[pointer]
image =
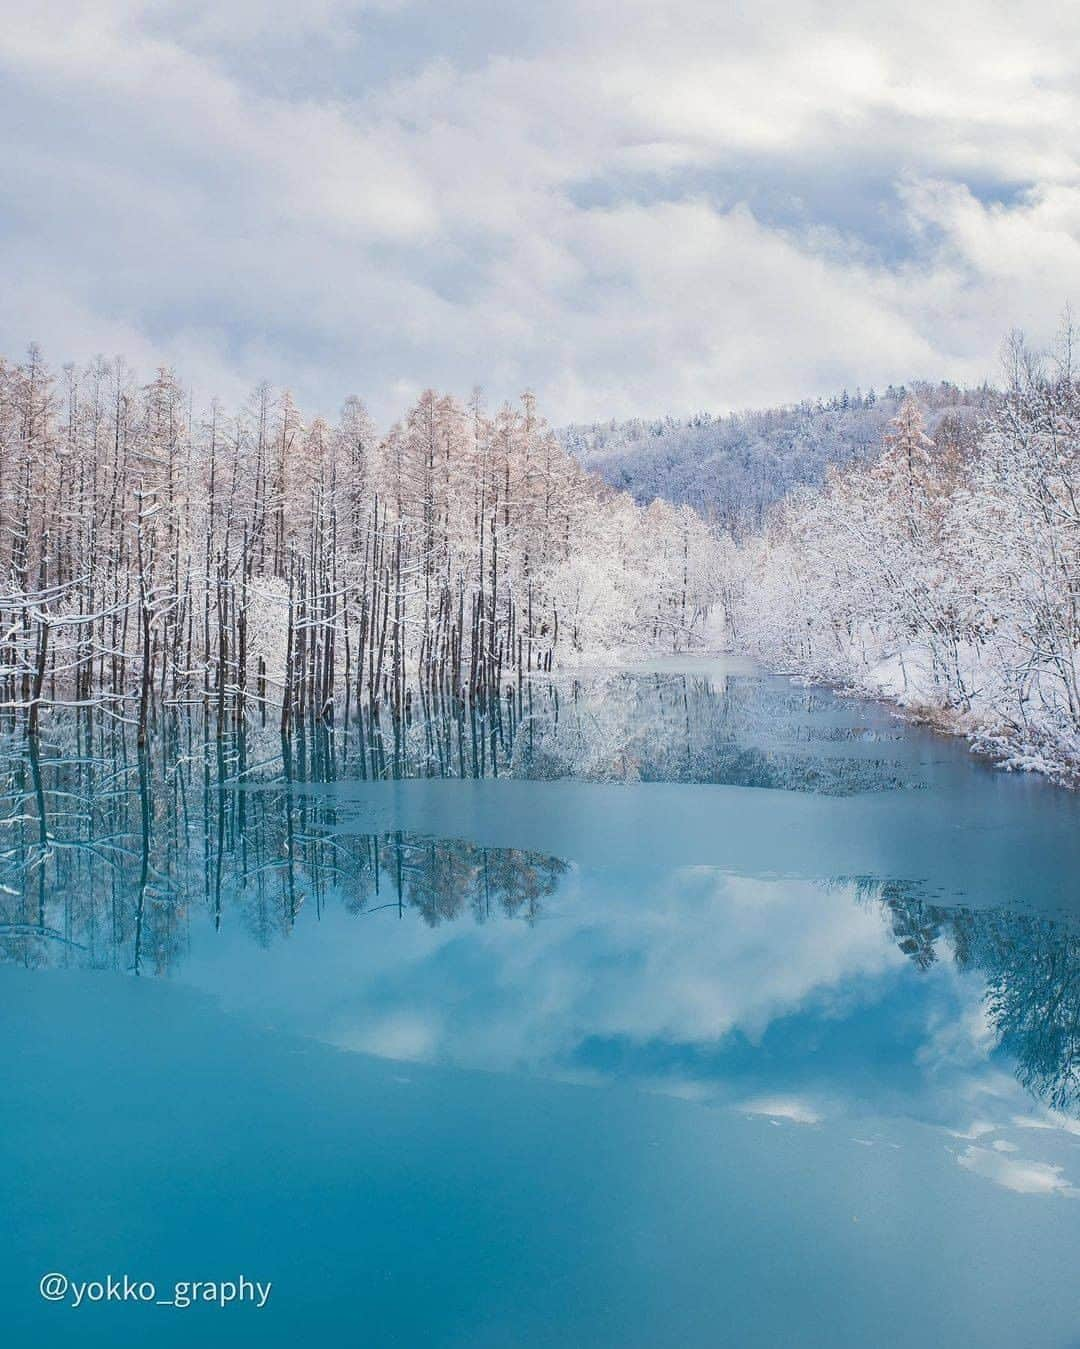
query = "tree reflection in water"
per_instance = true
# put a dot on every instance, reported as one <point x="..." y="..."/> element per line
<point x="1031" y="966"/>
<point x="111" y="850"/>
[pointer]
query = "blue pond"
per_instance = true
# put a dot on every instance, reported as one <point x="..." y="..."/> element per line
<point x="682" y="1006"/>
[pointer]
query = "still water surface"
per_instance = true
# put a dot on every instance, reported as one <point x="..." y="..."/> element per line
<point x="685" y="1006"/>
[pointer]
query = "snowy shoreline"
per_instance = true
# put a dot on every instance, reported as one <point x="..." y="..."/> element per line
<point x="981" y="740"/>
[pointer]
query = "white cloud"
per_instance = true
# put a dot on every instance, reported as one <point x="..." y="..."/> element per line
<point x="791" y="1109"/>
<point x="630" y="211"/>
<point x="503" y="997"/>
<point x="1017" y="1174"/>
<point x="402" y="1036"/>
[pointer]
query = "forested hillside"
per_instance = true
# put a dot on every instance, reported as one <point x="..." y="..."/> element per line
<point x="732" y="469"/>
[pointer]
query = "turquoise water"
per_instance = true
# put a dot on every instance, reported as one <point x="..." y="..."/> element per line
<point x="681" y="1007"/>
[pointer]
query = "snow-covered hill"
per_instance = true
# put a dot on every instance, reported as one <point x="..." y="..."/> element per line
<point x="733" y="468"/>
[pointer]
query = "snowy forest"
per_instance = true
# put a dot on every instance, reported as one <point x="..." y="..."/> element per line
<point x="258" y="558"/>
<point x="922" y="545"/>
<point x="944" y="574"/>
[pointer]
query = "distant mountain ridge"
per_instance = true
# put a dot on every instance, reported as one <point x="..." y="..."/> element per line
<point x="733" y="468"/>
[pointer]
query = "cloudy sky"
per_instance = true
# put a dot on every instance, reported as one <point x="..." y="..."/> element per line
<point x="630" y="207"/>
